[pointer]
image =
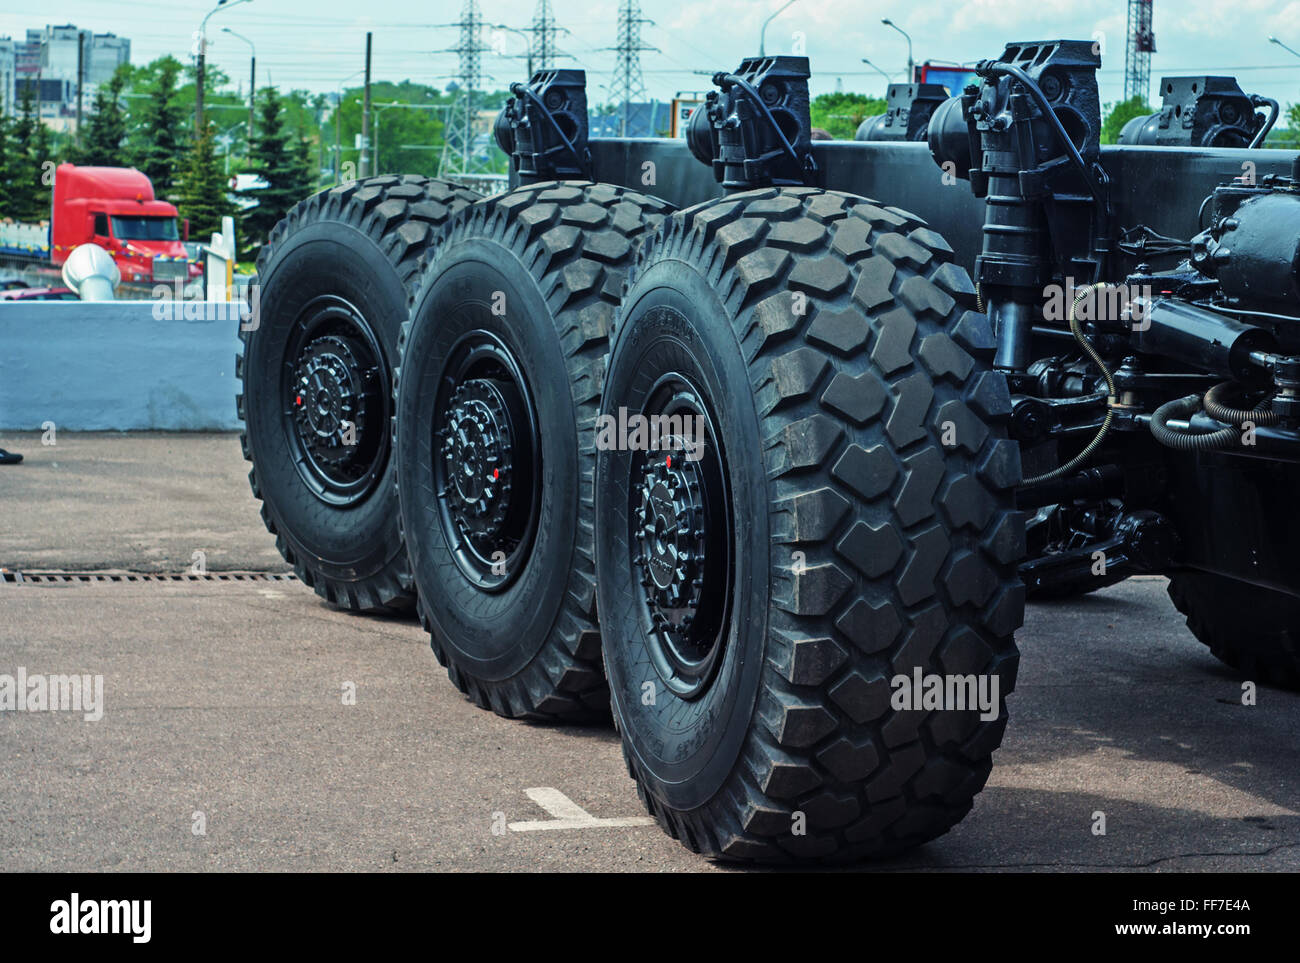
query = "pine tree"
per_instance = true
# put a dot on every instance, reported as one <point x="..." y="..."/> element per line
<point x="9" y="168"/>
<point x="40" y="178"/>
<point x="280" y="164"/>
<point x="102" y="144"/>
<point x="202" y="187"/>
<point x="308" y="172"/>
<point x="161" y="133"/>
<point x="30" y="197"/>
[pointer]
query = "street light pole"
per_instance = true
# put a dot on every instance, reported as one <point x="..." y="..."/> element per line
<point x="365" y="115"/>
<point x="762" y="34"/>
<point x="1284" y="46"/>
<point x="202" y="64"/>
<point x="252" y="81"/>
<point x="527" y="40"/>
<point x="911" y="64"/>
<point x="888" y="79"/>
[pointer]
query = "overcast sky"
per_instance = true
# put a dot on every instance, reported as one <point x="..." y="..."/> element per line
<point x="318" y="43"/>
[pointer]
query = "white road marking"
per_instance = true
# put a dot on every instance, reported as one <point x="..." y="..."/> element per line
<point x="569" y="815"/>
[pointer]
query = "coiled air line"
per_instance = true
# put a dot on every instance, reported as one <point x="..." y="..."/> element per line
<point x="1213" y="403"/>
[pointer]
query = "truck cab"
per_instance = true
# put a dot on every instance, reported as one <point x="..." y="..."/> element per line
<point x="115" y="208"/>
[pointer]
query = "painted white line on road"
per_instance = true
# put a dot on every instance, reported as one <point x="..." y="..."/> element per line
<point x="569" y="815"/>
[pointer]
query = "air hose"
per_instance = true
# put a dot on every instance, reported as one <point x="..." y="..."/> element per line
<point x="1082" y="457"/>
<point x="1216" y="409"/>
<point x="1212" y="402"/>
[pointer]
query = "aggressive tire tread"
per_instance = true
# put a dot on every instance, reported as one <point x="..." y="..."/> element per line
<point x="403" y="215"/>
<point x="910" y="548"/>
<point x="1250" y="629"/>
<point x="577" y="240"/>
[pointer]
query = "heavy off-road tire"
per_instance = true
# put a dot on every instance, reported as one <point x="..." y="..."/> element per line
<point x="333" y="281"/>
<point x="1254" y="630"/>
<point x="502" y="363"/>
<point x="828" y="339"/>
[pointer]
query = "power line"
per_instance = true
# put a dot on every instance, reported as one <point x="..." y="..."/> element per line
<point x="544" y="31"/>
<point x="458" y="152"/>
<point x="629" y="84"/>
<point x="1141" y="44"/>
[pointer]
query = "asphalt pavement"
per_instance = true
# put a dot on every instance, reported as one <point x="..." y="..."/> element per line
<point x="248" y="726"/>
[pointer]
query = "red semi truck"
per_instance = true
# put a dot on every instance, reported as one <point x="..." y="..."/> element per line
<point x="115" y="208"/>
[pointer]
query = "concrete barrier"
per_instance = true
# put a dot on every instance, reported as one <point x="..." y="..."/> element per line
<point x="118" y="365"/>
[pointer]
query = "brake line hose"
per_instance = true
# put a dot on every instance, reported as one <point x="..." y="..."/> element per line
<point x="1082" y="457"/>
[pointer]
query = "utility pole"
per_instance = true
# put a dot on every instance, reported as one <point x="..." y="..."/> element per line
<point x="628" y="82"/>
<point x="365" y="116"/>
<point x="252" y="97"/>
<point x="81" y="75"/>
<point x="198" y="90"/>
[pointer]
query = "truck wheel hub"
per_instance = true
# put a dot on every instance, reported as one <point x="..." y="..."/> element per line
<point x="487" y="461"/>
<point x="477" y="441"/>
<point x="680" y="536"/>
<point x="333" y="389"/>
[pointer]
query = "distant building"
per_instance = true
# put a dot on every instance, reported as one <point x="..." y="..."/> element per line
<point x="8" y="76"/>
<point x="101" y="53"/>
<point x="50" y="56"/>
<point x="107" y="52"/>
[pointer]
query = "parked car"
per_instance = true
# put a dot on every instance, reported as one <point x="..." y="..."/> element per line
<point x="39" y="294"/>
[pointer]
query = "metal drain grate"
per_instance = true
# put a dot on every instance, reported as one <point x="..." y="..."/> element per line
<point x="100" y="578"/>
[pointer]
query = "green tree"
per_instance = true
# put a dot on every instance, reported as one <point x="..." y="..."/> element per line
<point x="1119" y="114"/>
<point x="42" y="158"/>
<point x="280" y="163"/>
<point x="1288" y="137"/>
<point x="10" y="167"/>
<point x="160" y="137"/>
<point x="102" y="144"/>
<point x="33" y="157"/>
<point x="839" y="114"/>
<point x="202" y="187"/>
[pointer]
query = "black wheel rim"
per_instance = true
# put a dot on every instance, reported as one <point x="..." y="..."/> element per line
<point x="680" y="535"/>
<point x="487" y="465"/>
<point x="336" y="405"/>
